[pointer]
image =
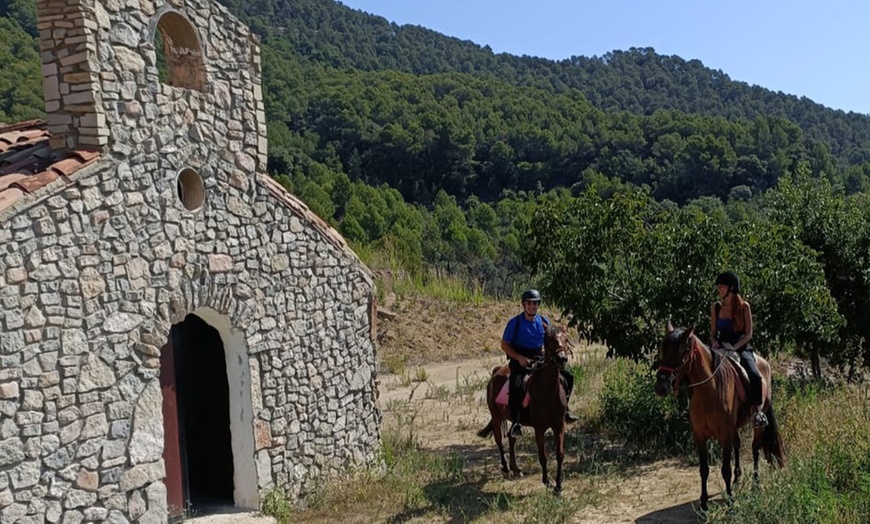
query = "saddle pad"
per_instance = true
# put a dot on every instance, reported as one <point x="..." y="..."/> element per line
<point x="502" y="397"/>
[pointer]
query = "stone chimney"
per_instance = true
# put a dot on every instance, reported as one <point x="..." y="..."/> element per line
<point x="71" y="73"/>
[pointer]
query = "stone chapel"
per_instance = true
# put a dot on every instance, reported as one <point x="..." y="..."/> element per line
<point x="176" y="330"/>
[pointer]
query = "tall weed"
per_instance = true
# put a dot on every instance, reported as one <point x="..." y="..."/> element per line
<point x="827" y="436"/>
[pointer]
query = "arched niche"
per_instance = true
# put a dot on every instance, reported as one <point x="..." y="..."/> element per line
<point x="179" y="52"/>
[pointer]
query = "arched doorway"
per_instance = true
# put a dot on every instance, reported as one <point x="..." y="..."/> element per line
<point x="208" y="429"/>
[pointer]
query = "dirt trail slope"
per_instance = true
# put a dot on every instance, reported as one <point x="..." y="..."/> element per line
<point x="660" y="492"/>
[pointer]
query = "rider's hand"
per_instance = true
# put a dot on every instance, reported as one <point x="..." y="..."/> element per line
<point x="524" y="362"/>
<point x="728" y="347"/>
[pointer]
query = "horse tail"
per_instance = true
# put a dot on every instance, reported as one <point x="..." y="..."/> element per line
<point x="486" y="431"/>
<point x="771" y="441"/>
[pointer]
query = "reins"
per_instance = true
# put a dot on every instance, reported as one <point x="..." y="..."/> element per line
<point x="715" y="372"/>
<point x="695" y="348"/>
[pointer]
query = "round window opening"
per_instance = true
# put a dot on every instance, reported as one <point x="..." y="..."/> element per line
<point x="191" y="190"/>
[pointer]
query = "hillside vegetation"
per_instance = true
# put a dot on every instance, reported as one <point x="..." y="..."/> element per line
<point x="621" y="184"/>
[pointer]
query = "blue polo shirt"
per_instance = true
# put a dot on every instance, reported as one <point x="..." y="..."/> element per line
<point x="529" y="339"/>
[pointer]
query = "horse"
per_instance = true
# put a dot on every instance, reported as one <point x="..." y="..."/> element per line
<point x="716" y="408"/>
<point x="546" y="410"/>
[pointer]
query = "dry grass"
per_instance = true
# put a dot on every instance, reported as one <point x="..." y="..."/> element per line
<point x="427" y="482"/>
<point x="435" y="470"/>
<point x="826" y="430"/>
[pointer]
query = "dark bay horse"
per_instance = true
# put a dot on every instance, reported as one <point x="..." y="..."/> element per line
<point x="716" y="410"/>
<point x="547" y="407"/>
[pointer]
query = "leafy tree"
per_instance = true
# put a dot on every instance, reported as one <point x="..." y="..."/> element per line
<point x="621" y="267"/>
<point x="819" y="215"/>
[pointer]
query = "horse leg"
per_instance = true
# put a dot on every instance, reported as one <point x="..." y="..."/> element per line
<point x="737" y="470"/>
<point x="559" y="437"/>
<point x="756" y="447"/>
<point x="726" y="465"/>
<point x="512" y="443"/>
<point x="499" y="442"/>
<point x="542" y="453"/>
<point x="704" y="469"/>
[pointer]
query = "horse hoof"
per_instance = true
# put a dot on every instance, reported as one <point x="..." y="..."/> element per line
<point x="557" y="491"/>
<point x="518" y="474"/>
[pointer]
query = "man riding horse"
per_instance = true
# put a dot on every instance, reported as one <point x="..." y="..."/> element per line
<point x="523" y="342"/>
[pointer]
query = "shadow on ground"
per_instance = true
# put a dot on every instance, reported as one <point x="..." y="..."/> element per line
<point x="462" y="501"/>
<point x="680" y="514"/>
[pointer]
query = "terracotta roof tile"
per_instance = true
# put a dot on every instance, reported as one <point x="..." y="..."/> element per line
<point x="27" y="162"/>
<point x="9" y="196"/>
<point x="31" y="183"/>
<point x="67" y="166"/>
<point x="8" y="180"/>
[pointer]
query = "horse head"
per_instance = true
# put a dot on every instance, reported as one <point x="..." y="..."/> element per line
<point x="557" y="347"/>
<point x="675" y="355"/>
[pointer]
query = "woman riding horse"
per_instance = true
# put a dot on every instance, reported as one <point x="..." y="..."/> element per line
<point x="717" y="409"/>
<point x="731" y="330"/>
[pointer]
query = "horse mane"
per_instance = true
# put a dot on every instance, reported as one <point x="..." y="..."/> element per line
<point x="673" y="339"/>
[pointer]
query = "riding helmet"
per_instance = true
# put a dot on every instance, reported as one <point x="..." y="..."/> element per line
<point x="531" y="295"/>
<point x="729" y="279"/>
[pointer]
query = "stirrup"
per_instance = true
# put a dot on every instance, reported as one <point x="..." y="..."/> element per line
<point x="759" y="420"/>
<point x="516" y="430"/>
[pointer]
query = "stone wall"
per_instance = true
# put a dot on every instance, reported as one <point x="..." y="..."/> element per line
<point x="93" y="275"/>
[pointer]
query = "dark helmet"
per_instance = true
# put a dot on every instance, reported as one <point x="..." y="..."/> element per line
<point x="729" y="279"/>
<point x="532" y="295"/>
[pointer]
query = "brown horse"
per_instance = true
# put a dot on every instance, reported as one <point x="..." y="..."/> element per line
<point x="547" y="406"/>
<point x="716" y="410"/>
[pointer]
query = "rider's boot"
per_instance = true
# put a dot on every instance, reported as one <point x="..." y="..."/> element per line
<point x="569" y="417"/>
<point x="760" y="419"/>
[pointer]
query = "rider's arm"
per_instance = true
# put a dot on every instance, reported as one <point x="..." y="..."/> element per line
<point x="713" y="326"/>
<point x="747" y="327"/>
<point x="509" y="331"/>
<point x="512" y="353"/>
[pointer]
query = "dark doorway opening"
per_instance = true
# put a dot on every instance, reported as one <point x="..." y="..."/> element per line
<point x="203" y="415"/>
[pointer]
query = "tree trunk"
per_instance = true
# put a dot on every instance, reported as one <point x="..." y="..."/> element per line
<point x="817" y="366"/>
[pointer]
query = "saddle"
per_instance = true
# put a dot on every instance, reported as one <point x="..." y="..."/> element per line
<point x="502" y="397"/>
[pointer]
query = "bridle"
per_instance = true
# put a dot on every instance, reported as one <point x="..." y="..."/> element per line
<point x="550" y="355"/>
<point x="676" y="375"/>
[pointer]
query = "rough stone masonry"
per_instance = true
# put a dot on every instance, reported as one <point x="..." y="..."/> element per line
<point x="176" y="217"/>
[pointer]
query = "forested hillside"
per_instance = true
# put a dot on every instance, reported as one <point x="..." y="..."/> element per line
<point x="622" y="183"/>
<point x="637" y="80"/>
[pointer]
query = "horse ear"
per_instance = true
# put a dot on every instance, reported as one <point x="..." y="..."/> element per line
<point x="690" y="331"/>
<point x="670" y="327"/>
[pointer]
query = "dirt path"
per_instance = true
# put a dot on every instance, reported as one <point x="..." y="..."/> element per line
<point x="448" y="408"/>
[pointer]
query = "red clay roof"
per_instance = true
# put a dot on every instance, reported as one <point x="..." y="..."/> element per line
<point x="27" y="162"/>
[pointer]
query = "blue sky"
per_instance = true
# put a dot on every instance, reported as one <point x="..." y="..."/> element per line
<point x="818" y="49"/>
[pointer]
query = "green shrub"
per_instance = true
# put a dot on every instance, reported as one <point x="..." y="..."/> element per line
<point x="632" y="413"/>
<point x="275" y="505"/>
